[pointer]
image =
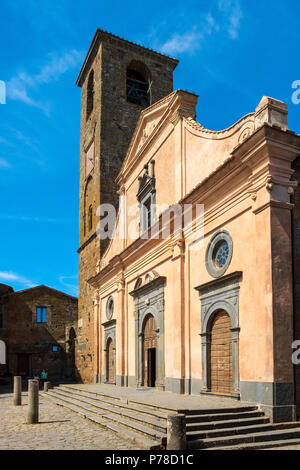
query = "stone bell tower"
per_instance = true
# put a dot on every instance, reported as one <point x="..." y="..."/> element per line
<point x="118" y="80"/>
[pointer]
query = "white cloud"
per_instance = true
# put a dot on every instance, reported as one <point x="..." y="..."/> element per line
<point x="8" y="276"/>
<point x="224" y="23"/>
<point x="19" y="86"/>
<point x="72" y="288"/>
<point x="232" y="16"/>
<point x="181" y="43"/>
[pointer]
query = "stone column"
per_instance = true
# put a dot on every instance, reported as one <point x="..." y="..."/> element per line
<point x="47" y="385"/>
<point x="205" y="348"/>
<point x="33" y="402"/>
<point x="140" y="360"/>
<point x="17" y="391"/>
<point x="176" y="432"/>
<point x="235" y="359"/>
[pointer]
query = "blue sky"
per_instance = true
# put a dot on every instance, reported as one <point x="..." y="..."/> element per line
<point x="232" y="52"/>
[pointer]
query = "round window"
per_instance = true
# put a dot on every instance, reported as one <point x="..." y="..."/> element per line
<point x="109" y="308"/>
<point x="219" y="253"/>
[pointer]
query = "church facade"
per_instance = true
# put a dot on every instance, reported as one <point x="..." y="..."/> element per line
<point x="196" y="288"/>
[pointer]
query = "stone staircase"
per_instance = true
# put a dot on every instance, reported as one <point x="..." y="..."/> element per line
<point x="243" y="427"/>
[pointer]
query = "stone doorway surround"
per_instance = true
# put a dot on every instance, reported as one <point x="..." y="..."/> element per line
<point x="149" y="299"/>
<point x="109" y="334"/>
<point x="217" y="295"/>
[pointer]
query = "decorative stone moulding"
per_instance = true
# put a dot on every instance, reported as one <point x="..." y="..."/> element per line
<point x="109" y="307"/>
<point x="219" y="254"/>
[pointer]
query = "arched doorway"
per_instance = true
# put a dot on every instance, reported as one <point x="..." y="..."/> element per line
<point x="149" y="349"/>
<point x="220" y="377"/>
<point x="110" y="361"/>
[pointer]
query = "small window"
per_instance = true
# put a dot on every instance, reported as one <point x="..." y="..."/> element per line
<point x="146" y="198"/>
<point x="148" y="213"/>
<point x="137" y="88"/>
<point x="54" y="348"/>
<point x="90" y="95"/>
<point x="41" y="315"/>
<point x="219" y="253"/>
<point x="109" y="308"/>
<point x="90" y="218"/>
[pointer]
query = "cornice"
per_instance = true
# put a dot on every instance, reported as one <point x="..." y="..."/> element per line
<point x="219" y="282"/>
<point x="161" y="280"/>
<point x="102" y="35"/>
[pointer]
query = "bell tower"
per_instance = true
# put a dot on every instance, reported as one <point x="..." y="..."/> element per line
<point x="118" y="80"/>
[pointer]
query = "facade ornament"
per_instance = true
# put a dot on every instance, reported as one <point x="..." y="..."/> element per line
<point x="269" y="183"/>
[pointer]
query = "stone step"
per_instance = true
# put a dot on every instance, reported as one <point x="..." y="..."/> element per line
<point x="133" y="426"/>
<point x="215" y="411"/>
<point x="194" y="427"/>
<point x="244" y="430"/>
<point x="262" y="446"/>
<point x="236" y="440"/>
<point x="223" y="416"/>
<point x="141" y="441"/>
<point x="100" y="407"/>
<point x="132" y="402"/>
<point x="164" y="409"/>
<point x="116" y="402"/>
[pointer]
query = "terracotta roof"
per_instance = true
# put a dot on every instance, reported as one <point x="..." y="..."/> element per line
<point x="101" y="33"/>
<point x="45" y="287"/>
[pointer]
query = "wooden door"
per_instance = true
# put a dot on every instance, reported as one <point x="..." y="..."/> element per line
<point x="110" y="362"/>
<point x="221" y="354"/>
<point x="150" y="343"/>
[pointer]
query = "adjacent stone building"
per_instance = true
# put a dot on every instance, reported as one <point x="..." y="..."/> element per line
<point x="183" y="300"/>
<point x="38" y="326"/>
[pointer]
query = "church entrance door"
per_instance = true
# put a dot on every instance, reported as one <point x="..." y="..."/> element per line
<point x="221" y="354"/>
<point x="110" y="362"/>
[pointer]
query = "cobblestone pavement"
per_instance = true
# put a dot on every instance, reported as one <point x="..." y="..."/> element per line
<point x="59" y="429"/>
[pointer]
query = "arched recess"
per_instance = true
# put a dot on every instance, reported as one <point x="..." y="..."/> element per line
<point x="71" y="341"/>
<point x="138" y="84"/>
<point x="149" y="351"/>
<point x="110" y="360"/>
<point x="149" y="300"/>
<point x="220" y="360"/>
<point x="220" y="295"/>
<point x="90" y="95"/>
<point x="222" y="316"/>
<point x="88" y="205"/>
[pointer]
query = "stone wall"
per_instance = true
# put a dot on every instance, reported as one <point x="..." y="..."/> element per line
<point x="24" y="336"/>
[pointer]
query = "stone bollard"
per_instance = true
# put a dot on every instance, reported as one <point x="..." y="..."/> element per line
<point x="17" y="390"/>
<point x="176" y="432"/>
<point x="33" y="402"/>
<point x="47" y="385"/>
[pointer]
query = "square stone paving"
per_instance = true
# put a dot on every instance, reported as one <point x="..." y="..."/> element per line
<point x="59" y="429"/>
